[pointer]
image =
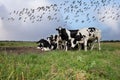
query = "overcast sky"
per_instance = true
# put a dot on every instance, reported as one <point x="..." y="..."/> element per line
<point x="72" y="14"/>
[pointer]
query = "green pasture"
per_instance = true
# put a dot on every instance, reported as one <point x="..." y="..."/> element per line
<point x="61" y="65"/>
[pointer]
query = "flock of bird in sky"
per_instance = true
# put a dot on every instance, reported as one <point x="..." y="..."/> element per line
<point x="72" y="10"/>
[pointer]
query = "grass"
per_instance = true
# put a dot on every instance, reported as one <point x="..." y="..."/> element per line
<point x="17" y="44"/>
<point x="62" y="65"/>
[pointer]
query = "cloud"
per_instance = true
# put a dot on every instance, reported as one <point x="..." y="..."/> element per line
<point x="109" y="16"/>
<point x="27" y="31"/>
<point x="19" y="30"/>
<point x="110" y="22"/>
<point x="18" y="4"/>
<point x="2" y="30"/>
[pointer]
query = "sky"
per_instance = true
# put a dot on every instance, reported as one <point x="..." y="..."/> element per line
<point x="31" y="20"/>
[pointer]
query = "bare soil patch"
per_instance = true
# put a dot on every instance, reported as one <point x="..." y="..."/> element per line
<point x="20" y="50"/>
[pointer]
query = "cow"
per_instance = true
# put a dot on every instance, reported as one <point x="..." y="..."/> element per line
<point x="66" y="36"/>
<point x="44" y="45"/>
<point x="87" y="37"/>
<point x="51" y="43"/>
<point x="54" y="41"/>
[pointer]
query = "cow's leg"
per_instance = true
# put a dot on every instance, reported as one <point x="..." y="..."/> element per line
<point x="79" y="46"/>
<point x="89" y="44"/>
<point x="93" y="44"/>
<point x="66" y="46"/>
<point x="60" y="43"/>
<point x="85" y="44"/>
<point x="58" y="47"/>
<point x="99" y="44"/>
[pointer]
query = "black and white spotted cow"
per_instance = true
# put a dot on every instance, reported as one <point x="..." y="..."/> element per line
<point x="51" y="43"/>
<point x="44" y="45"/>
<point x="87" y="37"/>
<point x="66" y="35"/>
<point x="54" y="41"/>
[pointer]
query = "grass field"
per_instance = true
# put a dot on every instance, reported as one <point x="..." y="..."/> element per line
<point x="60" y="65"/>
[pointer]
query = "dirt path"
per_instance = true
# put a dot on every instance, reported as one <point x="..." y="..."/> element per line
<point x="20" y="50"/>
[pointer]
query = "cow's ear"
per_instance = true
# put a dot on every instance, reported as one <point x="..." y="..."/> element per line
<point x="63" y="28"/>
<point x="38" y="41"/>
<point x="51" y="35"/>
<point x="48" y="37"/>
<point x="56" y="29"/>
<point x="81" y="35"/>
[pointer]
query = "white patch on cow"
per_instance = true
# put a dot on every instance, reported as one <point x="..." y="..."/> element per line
<point x="72" y="43"/>
<point x="52" y="47"/>
<point x="83" y="32"/>
<point x="80" y="41"/>
<point x="48" y="39"/>
<point x="45" y="49"/>
<point x="38" y="48"/>
<point x="60" y="28"/>
<point x="68" y="32"/>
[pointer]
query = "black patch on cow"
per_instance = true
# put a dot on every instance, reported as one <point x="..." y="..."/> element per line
<point x="83" y="36"/>
<point x="91" y="29"/>
<point x="43" y="43"/>
<point x="54" y="45"/>
<point x="74" y="42"/>
<point x="62" y="33"/>
<point x="89" y="34"/>
<point x="82" y="46"/>
<point x="69" y="44"/>
<point x="56" y="36"/>
<point x="78" y="37"/>
<point x="50" y="38"/>
<point x="53" y="38"/>
<point x="93" y="35"/>
<point x="73" y="33"/>
<point x="64" y="36"/>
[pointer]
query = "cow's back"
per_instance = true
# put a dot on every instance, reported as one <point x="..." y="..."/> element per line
<point x="73" y="33"/>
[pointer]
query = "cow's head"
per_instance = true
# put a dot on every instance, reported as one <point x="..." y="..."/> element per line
<point x="91" y="29"/>
<point x="60" y="30"/>
<point x="49" y="39"/>
<point x="53" y="38"/>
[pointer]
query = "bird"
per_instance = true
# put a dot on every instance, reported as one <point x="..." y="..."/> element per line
<point x="72" y="10"/>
